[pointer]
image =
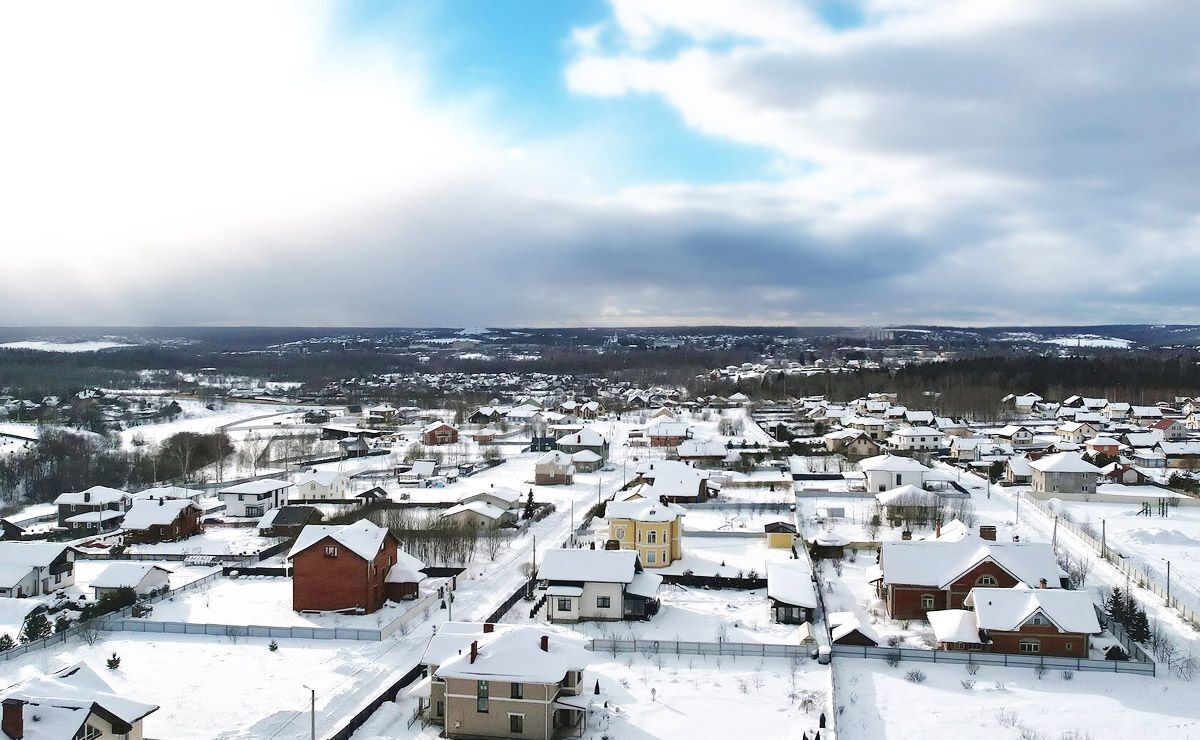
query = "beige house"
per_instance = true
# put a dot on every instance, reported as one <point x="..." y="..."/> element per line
<point x="488" y="681"/>
<point x="1065" y="472"/>
<point x="652" y="527"/>
<point x="554" y="468"/>
<point x="597" y="585"/>
<point x="74" y="702"/>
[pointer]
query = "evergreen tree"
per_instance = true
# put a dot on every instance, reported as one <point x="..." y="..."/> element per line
<point x="1139" y="626"/>
<point x="36" y="627"/>
<point x="528" y="506"/>
<point x="6" y="642"/>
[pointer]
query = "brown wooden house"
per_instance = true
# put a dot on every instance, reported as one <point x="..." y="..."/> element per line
<point x="153" y="520"/>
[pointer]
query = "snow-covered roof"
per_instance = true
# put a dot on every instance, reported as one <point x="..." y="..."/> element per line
<point x="954" y="625"/>
<point x="584" y="438"/>
<point x="917" y="432"/>
<point x="57" y="705"/>
<point x="95" y="517"/>
<point x="556" y="458"/>
<point x="586" y="456"/>
<point x="146" y="513"/>
<point x="645" y="585"/>
<point x="908" y="495"/>
<point x="31" y="554"/>
<point x="433" y="426"/>
<point x="790" y="581"/>
<point x="481" y="508"/>
<point x="1064" y="462"/>
<point x="1179" y="448"/>
<point x="516" y="655"/>
<point x="126" y="574"/>
<point x="643" y="510"/>
<point x="892" y="464"/>
<point x="1019" y="465"/>
<point x="1006" y="609"/>
<point x="14" y="612"/>
<point x="843" y="623"/>
<point x="601" y="566"/>
<point x="407" y="569"/>
<point x="92" y="496"/>
<point x="667" y="428"/>
<point x="940" y="562"/>
<point x="364" y="538"/>
<point x="260" y="486"/>
<point x="500" y="493"/>
<point x="324" y="478"/>
<point x="169" y="492"/>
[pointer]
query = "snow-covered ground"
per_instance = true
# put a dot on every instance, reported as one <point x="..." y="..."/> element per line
<point x="876" y="702"/>
<point x="181" y="575"/>
<point x="725" y="556"/>
<point x="45" y="346"/>
<point x="732" y="520"/>
<point x="213" y="541"/>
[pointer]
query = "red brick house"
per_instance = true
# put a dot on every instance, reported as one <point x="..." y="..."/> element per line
<point x="917" y="577"/>
<point x="161" y="520"/>
<point x="439" y="433"/>
<point x="338" y="568"/>
<point x="1020" y="621"/>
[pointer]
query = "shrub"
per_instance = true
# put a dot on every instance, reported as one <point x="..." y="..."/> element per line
<point x="1039" y="671"/>
<point x="114" y="662"/>
<point x="968" y="683"/>
<point x="893" y="658"/>
<point x="893" y="640"/>
<point x="972" y="668"/>
<point x="6" y="642"/>
<point x="273" y="646"/>
<point x="1068" y="675"/>
<point x="915" y="676"/>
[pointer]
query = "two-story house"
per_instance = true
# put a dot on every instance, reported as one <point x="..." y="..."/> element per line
<point x="1019" y="621"/>
<point x="1064" y="472"/>
<point x="255" y="498"/>
<point x="652" y="527"/>
<point x="97" y="509"/>
<point x="597" y="585"/>
<point x="73" y="703"/>
<point x="35" y="568"/>
<point x="342" y="567"/>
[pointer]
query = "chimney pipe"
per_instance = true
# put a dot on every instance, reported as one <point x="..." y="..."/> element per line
<point x="1043" y="584"/>
<point x="987" y="532"/>
<point x="474" y="650"/>
<point x="488" y="627"/>
<point x="87" y="497"/>
<point x="937" y="530"/>
<point x="13" y="722"/>
<point x="545" y="643"/>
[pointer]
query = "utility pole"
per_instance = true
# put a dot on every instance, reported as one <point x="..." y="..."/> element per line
<point x="1168" y="582"/>
<point x="1054" y="536"/>
<point x="1103" y="547"/>
<point x="1018" y="507"/>
<point x="312" y="714"/>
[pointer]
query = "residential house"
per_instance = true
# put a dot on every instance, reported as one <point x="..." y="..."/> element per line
<point x="72" y="703"/>
<point x="14" y="613"/>
<point x="586" y="439"/>
<point x="916" y="439"/>
<point x="1022" y="404"/>
<point x="340" y="568"/>
<point x="1014" y="434"/>
<point x="479" y="515"/>
<point x="667" y="433"/>
<point x="501" y="497"/>
<point x="384" y="413"/>
<point x="1172" y="430"/>
<point x="1076" y="432"/>
<point x="586" y="461"/>
<point x="597" y="585"/>
<point x="501" y="681"/>
<point x="674" y="481"/>
<point x="780" y="535"/>
<point x="487" y="415"/>
<point x="876" y="429"/>
<point x="590" y="410"/>
<point x="143" y="578"/>
<point x="651" y="527"/>
<point x="288" y="521"/>
<point x="161" y="520"/>
<point x="703" y="451"/>
<point x="1185" y="455"/>
<point x="254" y="498"/>
<point x="438" y="433"/>
<point x="1123" y="473"/>
<point x="1017" y="471"/>
<point x="1116" y="411"/>
<point x="1102" y="445"/>
<point x="884" y="472"/>
<point x="791" y="593"/>
<point x="919" y="576"/>
<point x="1145" y="415"/>
<point x="321" y="485"/>
<point x="35" y="568"/>
<point x="1020" y="621"/>
<point x="554" y="468"/>
<point x="97" y="509"/>
<point x="1063" y="472"/>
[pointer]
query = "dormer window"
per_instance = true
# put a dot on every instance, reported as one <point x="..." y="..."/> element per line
<point x="331" y="551"/>
<point x="986" y="579"/>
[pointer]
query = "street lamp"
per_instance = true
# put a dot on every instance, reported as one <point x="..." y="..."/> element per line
<point x="312" y="712"/>
<point x="1168" y="562"/>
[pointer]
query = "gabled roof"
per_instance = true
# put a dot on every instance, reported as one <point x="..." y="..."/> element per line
<point x="125" y="574"/>
<point x="146" y="513"/>
<point x="643" y="510"/>
<point x="601" y="566"/>
<point x="63" y="700"/>
<point x="892" y="464"/>
<point x="31" y="554"/>
<point x="940" y="562"/>
<point x="262" y="485"/>
<point x="1064" y="462"/>
<point x="479" y="507"/>
<point x="583" y="438"/>
<point x="364" y="538"/>
<point x="1006" y="609"/>
<point x="790" y="581"/>
<point x="94" y="495"/>
<point x="515" y="655"/>
<point x="908" y="495"/>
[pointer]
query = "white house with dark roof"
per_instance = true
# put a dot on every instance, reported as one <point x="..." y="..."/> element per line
<point x="597" y="585"/>
<point x="255" y="498"/>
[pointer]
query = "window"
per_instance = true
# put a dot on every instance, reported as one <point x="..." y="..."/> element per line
<point x="1029" y="646"/>
<point x="650" y="557"/>
<point x="87" y="732"/>
<point x="1038" y="619"/>
<point x="441" y="708"/>
<point x="516" y="691"/>
<point x="986" y="579"/>
<point x="481" y="696"/>
<point x="331" y="551"/>
<point x="620" y="533"/>
<point x="603" y="602"/>
<point x="1068" y="646"/>
<point x="652" y="537"/>
<point x="926" y="601"/>
<point x="516" y="723"/>
<point x="898" y="480"/>
<point x="639" y="535"/>
<point x="564" y="605"/>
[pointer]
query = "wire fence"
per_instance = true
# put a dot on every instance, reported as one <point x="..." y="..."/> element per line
<point x="995" y="659"/>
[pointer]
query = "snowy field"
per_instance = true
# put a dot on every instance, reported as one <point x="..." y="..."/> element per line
<point x="210" y="687"/>
<point x="732" y="520"/>
<point x="181" y="575"/>
<point x="672" y="697"/>
<point x="44" y="346"/>
<point x="725" y="556"/>
<point x="876" y="702"/>
<point x="213" y="541"/>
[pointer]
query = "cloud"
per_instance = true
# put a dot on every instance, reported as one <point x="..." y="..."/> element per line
<point x="252" y="163"/>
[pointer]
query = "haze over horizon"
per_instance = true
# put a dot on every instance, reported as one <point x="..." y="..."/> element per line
<point x="624" y="163"/>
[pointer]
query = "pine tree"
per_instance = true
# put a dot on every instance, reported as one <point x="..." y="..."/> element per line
<point x="529" y="506"/>
<point x="1116" y="607"/>
<point x="6" y="642"/>
<point x="36" y="627"/>
<point x="114" y="662"/>
<point x="1139" y="626"/>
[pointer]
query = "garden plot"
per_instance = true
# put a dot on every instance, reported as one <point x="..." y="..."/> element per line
<point x="851" y="592"/>
<point x="210" y="687"/>
<point x="181" y="575"/>
<point x="732" y="520"/>
<point x="673" y="696"/>
<point x="875" y="701"/>
<point x="264" y="601"/>
<point x="725" y="556"/>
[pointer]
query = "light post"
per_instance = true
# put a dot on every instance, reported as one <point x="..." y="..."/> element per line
<point x="1168" y="562"/>
<point x="312" y="714"/>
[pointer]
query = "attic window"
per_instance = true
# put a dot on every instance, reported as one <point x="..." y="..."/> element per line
<point x="331" y="551"/>
<point x="986" y="580"/>
<point x="87" y="732"/>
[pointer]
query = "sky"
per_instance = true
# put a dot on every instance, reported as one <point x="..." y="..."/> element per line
<point x="599" y="162"/>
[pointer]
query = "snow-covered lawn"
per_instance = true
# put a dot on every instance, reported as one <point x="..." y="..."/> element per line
<point x="732" y="520"/>
<point x="212" y="687"/>
<point x="260" y="600"/>
<point x="181" y="575"/>
<point x="851" y="592"/>
<point x="725" y="556"/>
<point x="213" y="541"/>
<point x="876" y="701"/>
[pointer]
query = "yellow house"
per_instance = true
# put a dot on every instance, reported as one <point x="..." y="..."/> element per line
<point x="780" y="534"/>
<point x="653" y="528"/>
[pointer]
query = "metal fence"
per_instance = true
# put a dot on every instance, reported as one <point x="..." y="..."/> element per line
<point x="996" y="659"/>
<point x="239" y="630"/>
<point x="1138" y="576"/>
<point x="679" y="647"/>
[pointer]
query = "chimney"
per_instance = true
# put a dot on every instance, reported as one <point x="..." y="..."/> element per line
<point x="474" y="650"/>
<point x="545" y="643"/>
<point x="937" y="530"/>
<point x="87" y="496"/>
<point x="13" y="723"/>
<point x="1043" y="584"/>
<point x="987" y="532"/>
<point x="906" y="535"/>
<point x="488" y="627"/>
<point x="161" y="501"/>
